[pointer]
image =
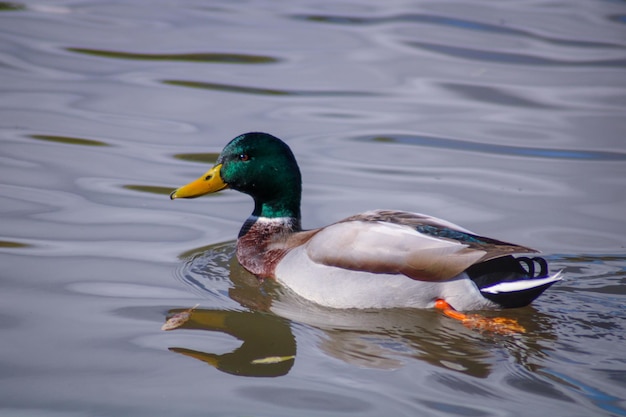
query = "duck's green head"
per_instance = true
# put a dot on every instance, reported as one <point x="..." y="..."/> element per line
<point x="257" y="164"/>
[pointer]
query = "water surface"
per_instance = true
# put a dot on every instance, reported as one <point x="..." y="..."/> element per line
<point x="507" y="118"/>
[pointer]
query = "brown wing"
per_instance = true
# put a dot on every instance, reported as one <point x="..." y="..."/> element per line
<point x="418" y="246"/>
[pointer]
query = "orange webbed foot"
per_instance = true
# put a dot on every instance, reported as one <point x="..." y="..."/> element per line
<point x="500" y="325"/>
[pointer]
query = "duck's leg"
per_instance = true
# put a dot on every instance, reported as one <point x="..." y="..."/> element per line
<point x="500" y="325"/>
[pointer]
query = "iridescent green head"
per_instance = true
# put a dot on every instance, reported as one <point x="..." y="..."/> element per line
<point x="257" y="164"/>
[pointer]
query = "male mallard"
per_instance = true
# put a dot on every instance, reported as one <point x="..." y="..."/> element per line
<point x="377" y="259"/>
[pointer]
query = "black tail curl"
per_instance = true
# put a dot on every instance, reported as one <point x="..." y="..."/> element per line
<point x="510" y="269"/>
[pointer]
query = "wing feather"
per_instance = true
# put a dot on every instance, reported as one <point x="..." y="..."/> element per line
<point x="398" y="242"/>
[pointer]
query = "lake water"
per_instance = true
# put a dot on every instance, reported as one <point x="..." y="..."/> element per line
<point x="508" y="118"/>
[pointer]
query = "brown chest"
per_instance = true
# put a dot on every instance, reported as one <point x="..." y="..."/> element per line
<point x="261" y="248"/>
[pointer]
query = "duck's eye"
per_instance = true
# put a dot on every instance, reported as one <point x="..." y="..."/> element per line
<point x="244" y="157"/>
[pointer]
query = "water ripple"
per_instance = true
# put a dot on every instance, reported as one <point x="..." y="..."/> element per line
<point x="307" y="399"/>
<point x="453" y="22"/>
<point x="206" y="270"/>
<point x="489" y="148"/>
<point x="206" y="157"/>
<point x="12" y="244"/>
<point x="151" y="189"/>
<point x="230" y="88"/>
<point x="222" y="58"/>
<point x="602" y="400"/>
<point x="7" y="6"/>
<point x="618" y="18"/>
<point x="69" y="140"/>
<point x="493" y="95"/>
<point x="511" y="57"/>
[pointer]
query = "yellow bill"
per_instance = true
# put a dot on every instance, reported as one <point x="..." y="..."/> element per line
<point x="210" y="182"/>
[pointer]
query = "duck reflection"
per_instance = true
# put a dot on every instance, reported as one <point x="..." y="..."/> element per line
<point x="268" y="347"/>
<point x="383" y="339"/>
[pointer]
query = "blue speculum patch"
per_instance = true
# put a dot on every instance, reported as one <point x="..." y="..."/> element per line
<point x="448" y="233"/>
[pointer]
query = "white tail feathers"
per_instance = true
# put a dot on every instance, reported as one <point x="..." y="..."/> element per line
<point x="521" y="285"/>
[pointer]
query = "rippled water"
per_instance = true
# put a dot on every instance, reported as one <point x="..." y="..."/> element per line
<point x="506" y="117"/>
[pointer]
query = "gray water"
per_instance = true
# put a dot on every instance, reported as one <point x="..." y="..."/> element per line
<point x="505" y="117"/>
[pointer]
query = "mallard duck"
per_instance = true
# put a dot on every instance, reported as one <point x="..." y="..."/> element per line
<point x="376" y="259"/>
